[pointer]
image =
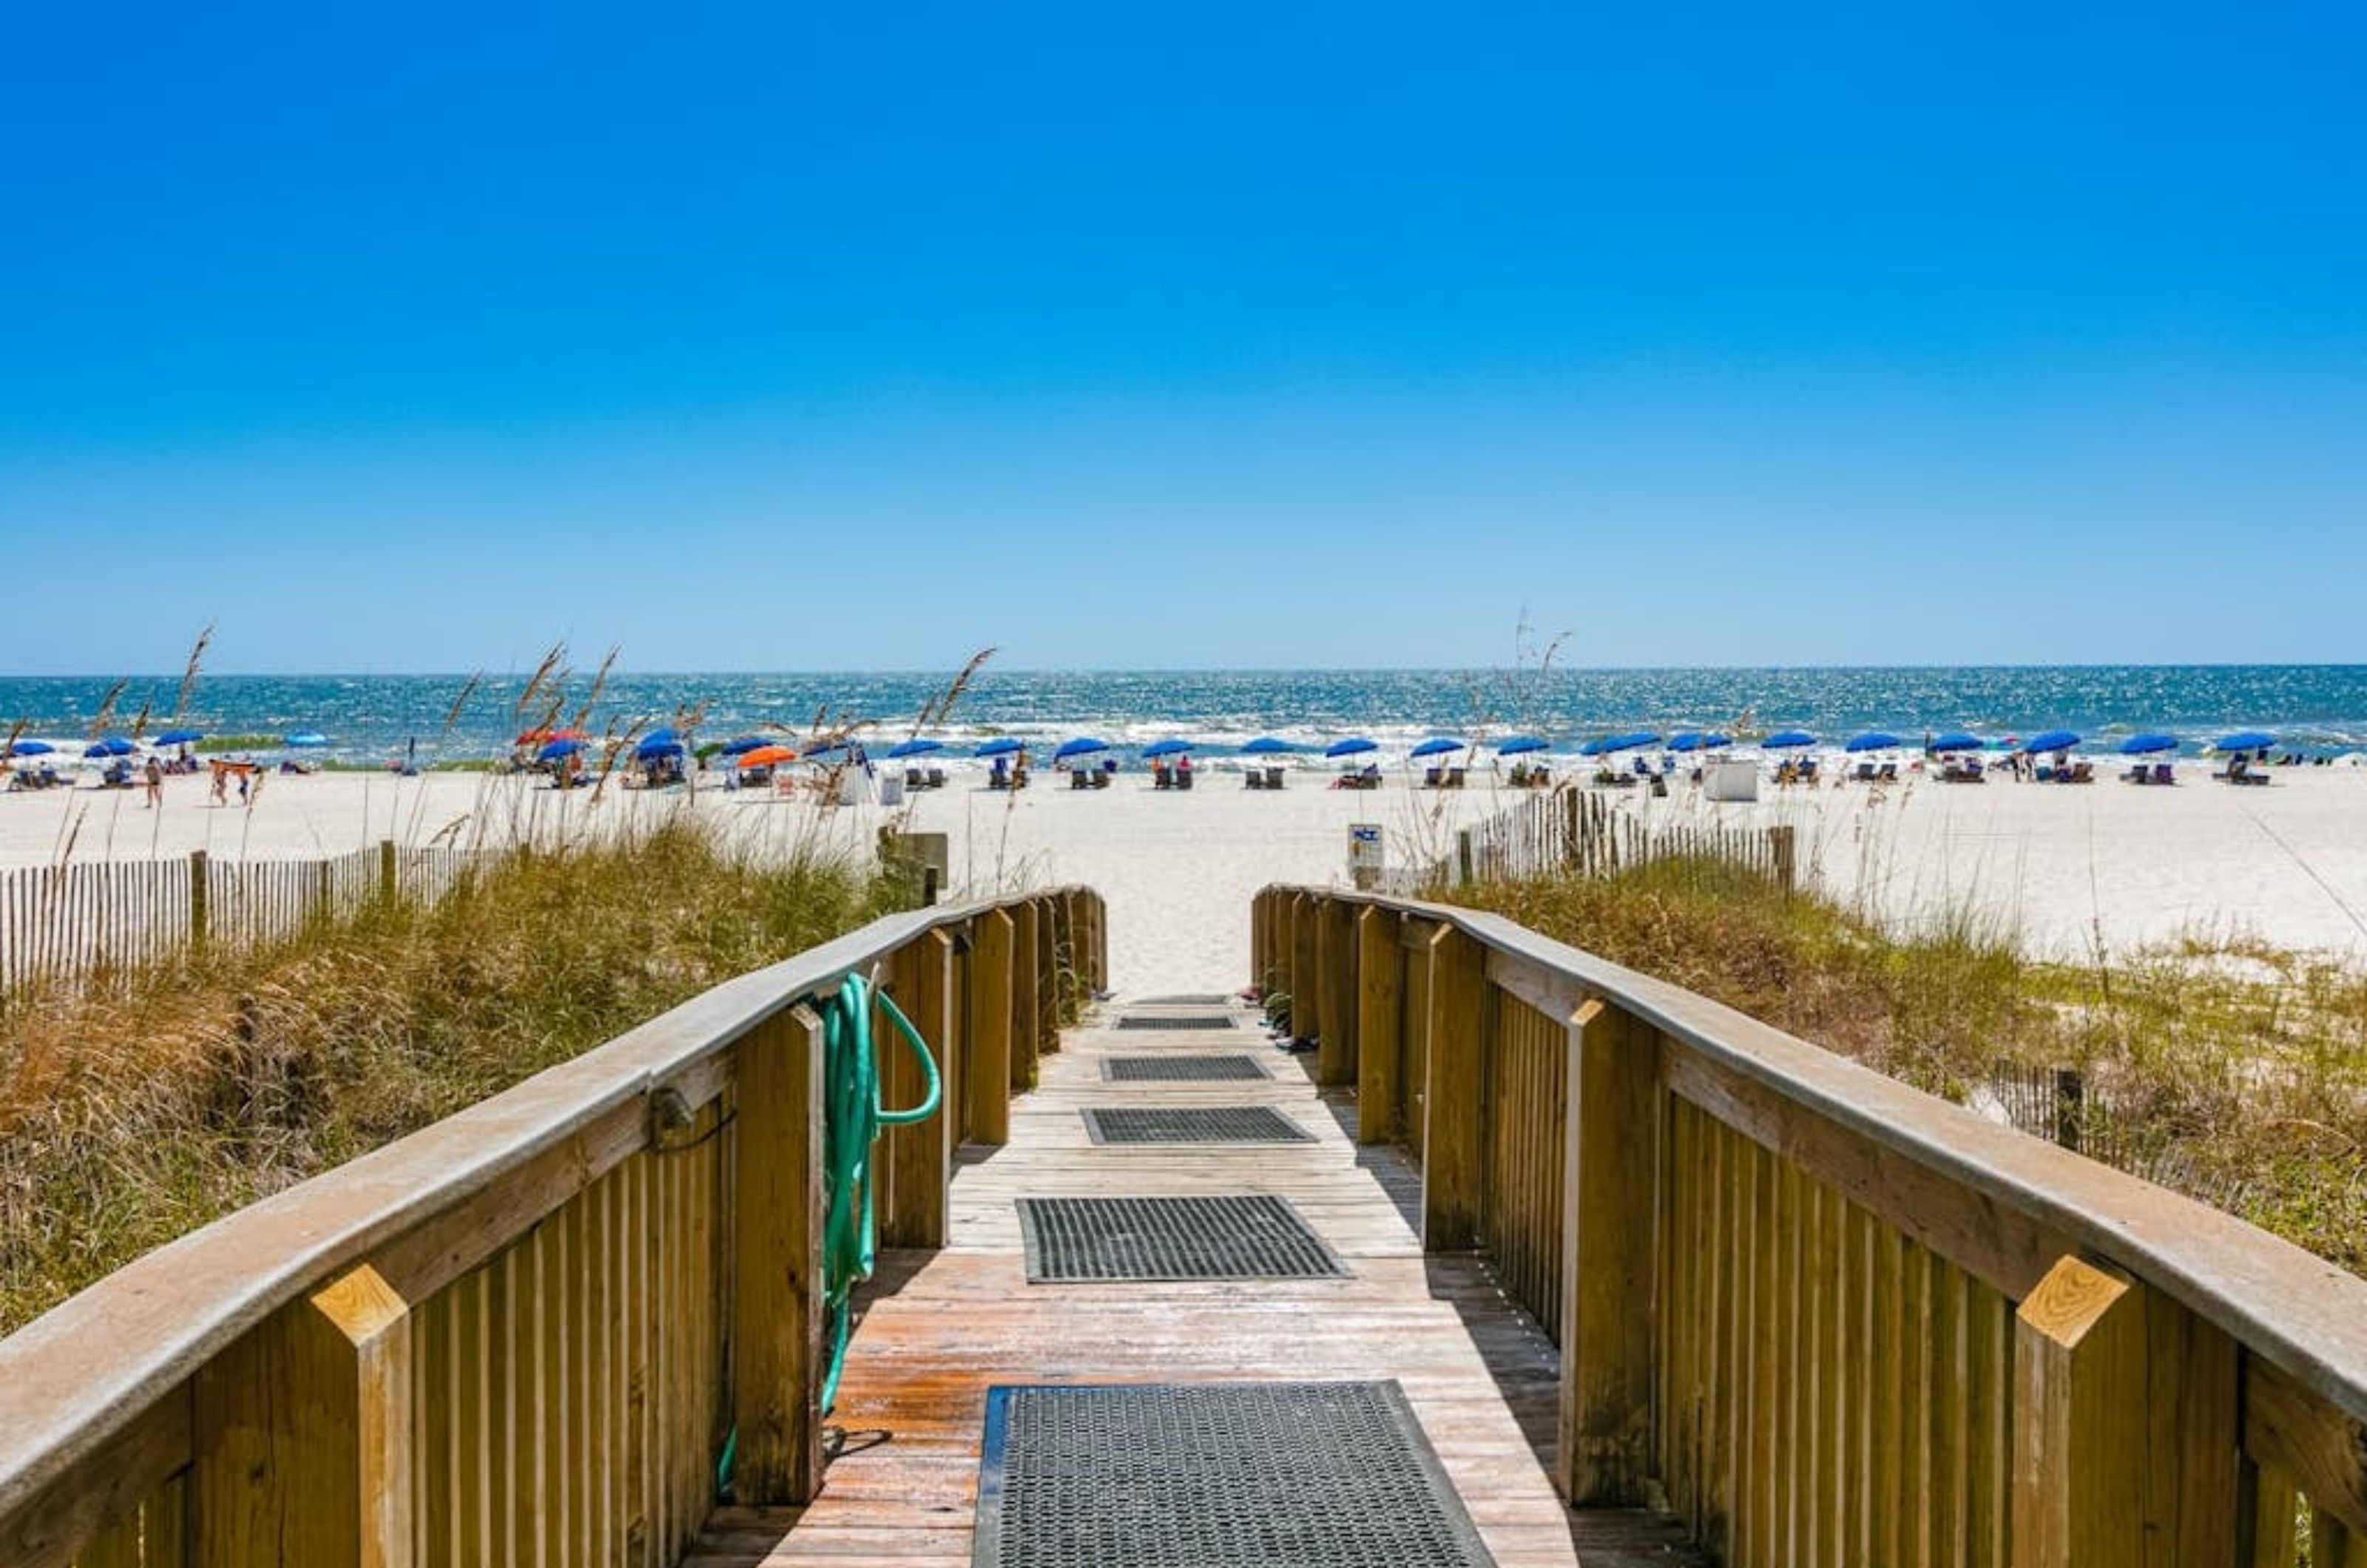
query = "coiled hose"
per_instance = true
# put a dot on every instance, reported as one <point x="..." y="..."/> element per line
<point x="852" y="1118"/>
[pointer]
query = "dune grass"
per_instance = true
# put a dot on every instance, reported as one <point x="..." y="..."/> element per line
<point x="129" y="1115"/>
<point x="2234" y="1072"/>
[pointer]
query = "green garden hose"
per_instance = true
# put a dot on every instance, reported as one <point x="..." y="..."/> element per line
<point x="852" y="1117"/>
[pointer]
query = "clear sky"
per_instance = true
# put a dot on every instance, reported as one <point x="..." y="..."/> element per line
<point x="794" y="336"/>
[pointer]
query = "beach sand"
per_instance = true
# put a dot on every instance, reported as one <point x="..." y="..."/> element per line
<point x="2060" y="867"/>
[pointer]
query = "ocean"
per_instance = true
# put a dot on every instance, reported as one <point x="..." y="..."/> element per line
<point x="2318" y="709"/>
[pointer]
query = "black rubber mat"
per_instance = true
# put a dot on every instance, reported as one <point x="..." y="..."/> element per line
<point x="1200" y="1001"/>
<point x="1181" y="1069"/>
<point x="1177" y="1020"/>
<point x="1203" y="1125"/>
<point x="1074" y="1240"/>
<point x="1183" y="1475"/>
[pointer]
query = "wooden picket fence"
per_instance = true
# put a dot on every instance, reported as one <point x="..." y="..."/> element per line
<point x="1573" y="832"/>
<point x="102" y="919"/>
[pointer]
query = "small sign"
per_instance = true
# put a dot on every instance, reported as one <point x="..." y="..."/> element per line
<point x="1366" y="854"/>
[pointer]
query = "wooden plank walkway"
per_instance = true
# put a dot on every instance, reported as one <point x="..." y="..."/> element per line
<point x="939" y="1328"/>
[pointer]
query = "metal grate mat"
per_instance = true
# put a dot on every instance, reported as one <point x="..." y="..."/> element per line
<point x="1197" y="1124"/>
<point x="1249" y="1236"/>
<point x="1181" y="1069"/>
<point x="1183" y="1021"/>
<point x="1180" y="1475"/>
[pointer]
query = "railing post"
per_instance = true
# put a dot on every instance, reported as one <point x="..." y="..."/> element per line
<point x="1305" y="968"/>
<point x="1464" y="875"/>
<point x="1047" y="975"/>
<point x="302" y="1439"/>
<point x="1609" y="1258"/>
<point x="777" y="1360"/>
<point x="1784" y="839"/>
<point x="988" y="1078"/>
<point x="2124" y="1427"/>
<point x="386" y="887"/>
<point x="1380" y="1002"/>
<point x="1335" y="947"/>
<point x="914" y="1159"/>
<point x="1453" y="1108"/>
<point x="1025" y="1033"/>
<point x="198" y="911"/>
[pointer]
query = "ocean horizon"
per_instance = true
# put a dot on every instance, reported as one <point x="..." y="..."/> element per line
<point x="2317" y="708"/>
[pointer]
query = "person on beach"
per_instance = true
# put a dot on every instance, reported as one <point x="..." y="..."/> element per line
<point x="154" y="775"/>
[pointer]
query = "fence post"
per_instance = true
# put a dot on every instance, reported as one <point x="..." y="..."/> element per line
<point x="197" y="895"/>
<point x="1463" y="857"/>
<point x="1047" y="975"/>
<point x="1380" y="1001"/>
<point x="777" y="1361"/>
<point x="989" y="1079"/>
<point x="1783" y="841"/>
<point x="386" y="889"/>
<point x="2126" y="1409"/>
<point x="303" y="1436"/>
<point x="1609" y="1258"/>
<point x="2070" y="1107"/>
<point x="1457" y="1026"/>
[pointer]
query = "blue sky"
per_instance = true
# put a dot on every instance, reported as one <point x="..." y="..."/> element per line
<point x="779" y="337"/>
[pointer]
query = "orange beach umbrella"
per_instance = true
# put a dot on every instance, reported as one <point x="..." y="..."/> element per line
<point x="767" y="756"/>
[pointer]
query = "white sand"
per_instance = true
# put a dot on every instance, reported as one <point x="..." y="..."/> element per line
<point x="2060" y="866"/>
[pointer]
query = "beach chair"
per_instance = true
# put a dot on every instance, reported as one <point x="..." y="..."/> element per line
<point x="1865" y="773"/>
<point x="1433" y="778"/>
<point x="1274" y="777"/>
<point x="2082" y="772"/>
<point x="1886" y="773"/>
<point x="1182" y="778"/>
<point x="1162" y="776"/>
<point x="1454" y="777"/>
<point x="1079" y="779"/>
<point x="1252" y="778"/>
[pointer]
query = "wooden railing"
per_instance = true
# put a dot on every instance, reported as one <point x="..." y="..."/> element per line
<point x="524" y="1333"/>
<point x="1822" y="1317"/>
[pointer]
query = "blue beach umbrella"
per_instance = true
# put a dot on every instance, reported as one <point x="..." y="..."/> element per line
<point x="1436" y="746"/>
<point x="1000" y="746"/>
<point x="1788" y="740"/>
<point x="655" y="750"/>
<point x="660" y="738"/>
<point x="1267" y="746"/>
<point x="916" y="747"/>
<point x="1872" y="740"/>
<point x="1594" y="748"/>
<point x="1356" y="745"/>
<point x="2147" y="745"/>
<point x="308" y="737"/>
<point x="552" y="751"/>
<point x="1082" y="746"/>
<point x="28" y="749"/>
<point x="1632" y="740"/>
<point x="180" y="737"/>
<point x="1520" y="745"/>
<point x="2246" y="740"/>
<point x="741" y="746"/>
<point x="2053" y="740"/>
<point x="1698" y="740"/>
<point x="110" y="746"/>
<point x="1167" y="747"/>
<point x="1956" y="740"/>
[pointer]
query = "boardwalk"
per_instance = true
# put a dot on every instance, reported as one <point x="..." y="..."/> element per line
<point x="942" y="1327"/>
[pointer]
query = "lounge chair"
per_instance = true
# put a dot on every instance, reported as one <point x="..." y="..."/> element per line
<point x="1182" y="778"/>
<point x="1433" y="778"/>
<point x="2163" y="774"/>
<point x="1865" y="773"/>
<point x="1252" y="778"/>
<point x="1886" y="773"/>
<point x="1274" y="777"/>
<point x="1455" y="778"/>
<point x="2080" y="772"/>
<point x="1079" y="779"/>
<point x="1162" y="776"/>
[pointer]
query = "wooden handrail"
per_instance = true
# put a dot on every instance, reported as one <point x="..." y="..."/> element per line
<point x="90" y="1378"/>
<point x="1753" y="1193"/>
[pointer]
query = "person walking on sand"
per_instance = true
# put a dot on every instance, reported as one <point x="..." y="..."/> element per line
<point x="154" y="773"/>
